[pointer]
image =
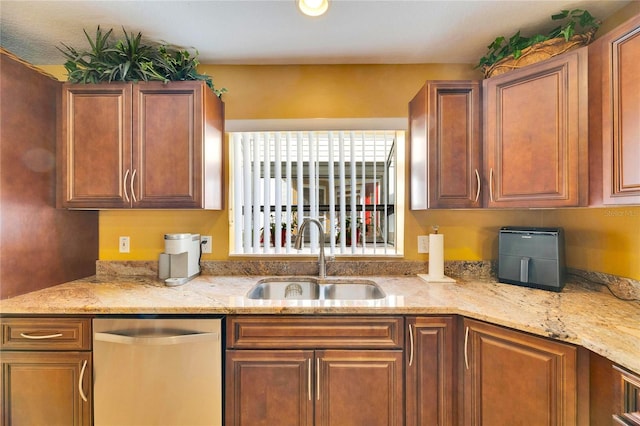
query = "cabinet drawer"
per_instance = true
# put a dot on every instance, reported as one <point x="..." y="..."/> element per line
<point x="294" y="332"/>
<point x="46" y="334"/>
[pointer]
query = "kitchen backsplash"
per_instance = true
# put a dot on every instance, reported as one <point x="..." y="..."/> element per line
<point x="622" y="287"/>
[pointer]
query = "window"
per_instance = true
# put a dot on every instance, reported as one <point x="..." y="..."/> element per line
<point x="345" y="179"/>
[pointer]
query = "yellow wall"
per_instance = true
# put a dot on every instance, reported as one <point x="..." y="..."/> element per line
<point x="597" y="239"/>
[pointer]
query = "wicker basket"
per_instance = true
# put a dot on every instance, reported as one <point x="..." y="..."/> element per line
<point x="538" y="52"/>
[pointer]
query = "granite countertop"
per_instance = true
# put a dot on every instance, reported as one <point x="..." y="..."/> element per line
<point x="593" y="319"/>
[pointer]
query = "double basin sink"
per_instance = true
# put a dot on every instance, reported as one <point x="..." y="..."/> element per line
<point x="310" y="288"/>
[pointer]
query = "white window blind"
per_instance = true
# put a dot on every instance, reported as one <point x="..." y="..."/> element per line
<point x="345" y="179"/>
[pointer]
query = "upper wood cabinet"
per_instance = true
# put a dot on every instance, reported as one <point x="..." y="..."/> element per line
<point x="445" y="145"/>
<point x="536" y="134"/>
<point x="142" y="145"/>
<point x="621" y="113"/>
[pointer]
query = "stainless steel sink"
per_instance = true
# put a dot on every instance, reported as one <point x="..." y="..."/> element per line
<point x="285" y="288"/>
<point x="353" y="291"/>
<point x="309" y="288"/>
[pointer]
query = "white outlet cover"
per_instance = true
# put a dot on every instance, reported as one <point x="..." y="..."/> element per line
<point x="423" y="244"/>
<point x="124" y="245"/>
<point x="205" y="243"/>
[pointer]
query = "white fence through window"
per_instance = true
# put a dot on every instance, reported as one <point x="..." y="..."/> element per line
<point x="345" y="179"/>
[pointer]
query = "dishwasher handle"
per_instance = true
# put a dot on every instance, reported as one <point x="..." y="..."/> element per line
<point x="160" y="340"/>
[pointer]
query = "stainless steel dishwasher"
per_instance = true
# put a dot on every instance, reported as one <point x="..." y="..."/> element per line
<point x="157" y="371"/>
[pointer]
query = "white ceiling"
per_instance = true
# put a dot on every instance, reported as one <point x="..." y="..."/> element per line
<point x="275" y="32"/>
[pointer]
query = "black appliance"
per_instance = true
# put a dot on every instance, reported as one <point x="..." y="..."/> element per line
<point x="532" y="257"/>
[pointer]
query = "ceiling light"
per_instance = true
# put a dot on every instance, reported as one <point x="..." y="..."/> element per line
<point x="313" y="7"/>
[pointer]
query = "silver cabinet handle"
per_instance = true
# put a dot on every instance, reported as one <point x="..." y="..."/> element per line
<point x="309" y="379"/>
<point x="318" y="379"/>
<point x="410" y="345"/>
<point x="81" y="379"/>
<point x="133" y="192"/>
<point x="161" y="339"/>
<point x="466" y="345"/>
<point x="478" y="190"/>
<point x="124" y="185"/>
<point x="48" y="336"/>
<point x="491" y="184"/>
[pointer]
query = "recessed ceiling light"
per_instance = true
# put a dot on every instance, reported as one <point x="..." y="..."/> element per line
<point x="313" y="7"/>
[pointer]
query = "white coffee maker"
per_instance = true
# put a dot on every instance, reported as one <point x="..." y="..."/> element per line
<point x="180" y="261"/>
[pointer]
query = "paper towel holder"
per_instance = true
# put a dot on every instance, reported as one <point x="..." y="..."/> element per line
<point x="440" y="277"/>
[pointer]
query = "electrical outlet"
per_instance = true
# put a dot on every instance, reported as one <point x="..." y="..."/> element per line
<point x="123" y="245"/>
<point x="423" y="244"/>
<point x="205" y="243"/>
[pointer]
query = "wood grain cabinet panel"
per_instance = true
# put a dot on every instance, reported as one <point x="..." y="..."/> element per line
<point x="269" y="387"/>
<point x="70" y="334"/>
<point x="43" y="388"/>
<point x="430" y="371"/>
<point x="142" y="145"/>
<point x="626" y="405"/>
<point x="289" y="370"/>
<point x="359" y="387"/>
<point x="46" y="371"/>
<point x="95" y="150"/>
<point x="621" y="114"/>
<point x="536" y="134"/>
<point x="262" y="332"/>
<point x="445" y="145"/>
<point x="514" y="378"/>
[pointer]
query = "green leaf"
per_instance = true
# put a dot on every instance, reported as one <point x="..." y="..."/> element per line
<point x="572" y="19"/>
<point x="563" y="14"/>
<point x="130" y="59"/>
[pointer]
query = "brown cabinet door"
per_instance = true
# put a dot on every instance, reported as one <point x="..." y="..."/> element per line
<point x="167" y="149"/>
<point x="94" y="152"/>
<point x="536" y="134"/>
<point x="142" y="145"/>
<point x="429" y="360"/>
<point x="269" y="387"/>
<point x="445" y="145"/>
<point x="359" y="387"/>
<point x="46" y="388"/>
<point x="621" y="114"/>
<point x="514" y="378"/>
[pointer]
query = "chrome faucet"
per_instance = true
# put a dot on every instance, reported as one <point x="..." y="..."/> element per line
<point x="322" y="266"/>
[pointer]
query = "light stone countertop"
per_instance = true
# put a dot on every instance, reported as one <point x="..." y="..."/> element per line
<point x="593" y="319"/>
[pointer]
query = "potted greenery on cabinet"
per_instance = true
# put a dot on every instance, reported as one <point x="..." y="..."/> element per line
<point x="141" y="128"/>
<point x="576" y="28"/>
<point x="129" y="59"/>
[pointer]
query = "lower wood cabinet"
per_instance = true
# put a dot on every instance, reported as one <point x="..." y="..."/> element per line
<point x="626" y="406"/>
<point x="268" y="387"/>
<point x="304" y="379"/>
<point x="46" y="371"/>
<point x="514" y="378"/>
<point x="430" y="371"/>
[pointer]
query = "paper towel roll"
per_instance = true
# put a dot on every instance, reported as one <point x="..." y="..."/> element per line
<point x="436" y="255"/>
